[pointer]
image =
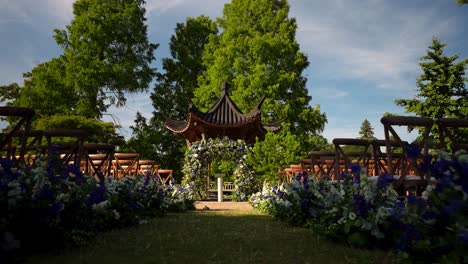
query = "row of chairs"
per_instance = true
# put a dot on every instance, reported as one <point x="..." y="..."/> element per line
<point x="384" y="156"/>
<point x="20" y="144"/>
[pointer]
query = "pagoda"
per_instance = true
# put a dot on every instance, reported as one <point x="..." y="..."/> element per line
<point x="223" y="119"/>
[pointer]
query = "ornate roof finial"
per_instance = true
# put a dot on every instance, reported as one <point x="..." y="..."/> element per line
<point x="224" y="87"/>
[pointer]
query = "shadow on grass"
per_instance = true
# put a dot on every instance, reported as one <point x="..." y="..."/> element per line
<point x="214" y="237"/>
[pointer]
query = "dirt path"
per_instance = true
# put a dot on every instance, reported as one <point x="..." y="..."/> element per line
<point x="223" y="206"/>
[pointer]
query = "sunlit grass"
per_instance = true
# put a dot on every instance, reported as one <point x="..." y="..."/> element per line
<point x="214" y="237"/>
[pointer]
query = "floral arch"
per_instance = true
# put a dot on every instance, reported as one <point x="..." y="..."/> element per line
<point x="199" y="155"/>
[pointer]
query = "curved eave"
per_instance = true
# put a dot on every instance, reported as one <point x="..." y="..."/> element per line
<point x="178" y="126"/>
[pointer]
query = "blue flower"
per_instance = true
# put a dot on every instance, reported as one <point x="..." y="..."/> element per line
<point x="453" y="207"/>
<point x="357" y="179"/>
<point x="360" y="205"/>
<point x="45" y="193"/>
<point x="305" y="204"/>
<point x="56" y="208"/>
<point x="384" y="179"/>
<point x="96" y="196"/>
<point x="147" y="178"/>
<point x="6" y="163"/>
<point x="355" y="168"/>
<point x="463" y="236"/>
<point x="413" y="151"/>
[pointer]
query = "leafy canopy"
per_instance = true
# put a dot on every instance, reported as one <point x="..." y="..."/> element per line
<point x="256" y="52"/>
<point x="172" y="92"/>
<point x="106" y="53"/>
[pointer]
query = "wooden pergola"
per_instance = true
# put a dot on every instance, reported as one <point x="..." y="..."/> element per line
<point x="223" y="119"/>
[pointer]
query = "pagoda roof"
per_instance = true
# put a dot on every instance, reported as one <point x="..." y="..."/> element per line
<point x="225" y="118"/>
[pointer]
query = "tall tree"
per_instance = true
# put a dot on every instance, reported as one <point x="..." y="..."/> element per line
<point x="106" y="53"/>
<point x="441" y="86"/>
<point x="367" y="131"/>
<point x="256" y="52"/>
<point x="173" y="91"/>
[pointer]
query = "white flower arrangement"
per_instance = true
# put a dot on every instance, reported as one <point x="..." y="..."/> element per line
<point x="200" y="153"/>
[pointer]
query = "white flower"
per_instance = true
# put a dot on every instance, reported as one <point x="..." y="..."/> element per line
<point x="116" y="214"/>
<point x="352" y="216"/>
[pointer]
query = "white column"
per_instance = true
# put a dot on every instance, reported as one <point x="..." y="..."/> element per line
<point x="220" y="187"/>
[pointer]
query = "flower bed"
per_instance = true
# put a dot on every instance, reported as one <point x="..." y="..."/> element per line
<point x="431" y="228"/>
<point x="47" y="207"/>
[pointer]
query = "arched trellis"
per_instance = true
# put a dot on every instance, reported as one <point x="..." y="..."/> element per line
<point x="200" y="153"/>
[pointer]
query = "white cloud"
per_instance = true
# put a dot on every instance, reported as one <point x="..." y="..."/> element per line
<point x="368" y="40"/>
<point x="161" y="6"/>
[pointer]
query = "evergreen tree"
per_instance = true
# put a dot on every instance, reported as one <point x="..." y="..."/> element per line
<point x="441" y="86"/>
<point x="367" y="131"/>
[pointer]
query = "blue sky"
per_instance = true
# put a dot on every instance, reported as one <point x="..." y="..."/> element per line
<point x="363" y="53"/>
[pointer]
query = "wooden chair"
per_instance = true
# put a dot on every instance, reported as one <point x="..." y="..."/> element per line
<point x="145" y="166"/>
<point x="98" y="158"/>
<point x="344" y="159"/>
<point x="323" y="164"/>
<point x="68" y="143"/>
<point x="33" y="146"/>
<point x="24" y="116"/>
<point x="381" y="164"/>
<point x="165" y="175"/>
<point x="125" y="164"/>
<point x="447" y="138"/>
<point x="406" y="182"/>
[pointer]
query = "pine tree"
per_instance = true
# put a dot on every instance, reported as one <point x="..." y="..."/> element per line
<point x="367" y="131"/>
<point x="441" y="87"/>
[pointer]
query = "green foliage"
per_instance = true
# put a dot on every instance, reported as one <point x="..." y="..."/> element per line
<point x="99" y="132"/>
<point x="275" y="153"/>
<point x="144" y="141"/>
<point x="106" y="53"/>
<point x="441" y="87"/>
<point x="462" y="2"/>
<point x="44" y="90"/>
<point x="256" y="52"/>
<point x="172" y="94"/>
<point x="367" y="131"/>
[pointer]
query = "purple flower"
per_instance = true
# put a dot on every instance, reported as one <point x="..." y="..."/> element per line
<point x="45" y="193"/>
<point x="384" y="179"/>
<point x="56" y="208"/>
<point x="96" y="196"/>
<point x="305" y="204"/>
<point x="357" y="179"/>
<point x="463" y="236"/>
<point x="413" y="151"/>
<point x="453" y="207"/>
<point x="6" y="164"/>
<point x="147" y="178"/>
<point x="355" y="168"/>
<point x="360" y="205"/>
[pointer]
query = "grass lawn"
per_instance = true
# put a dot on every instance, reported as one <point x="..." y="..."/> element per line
<point x="214" y="237"/>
